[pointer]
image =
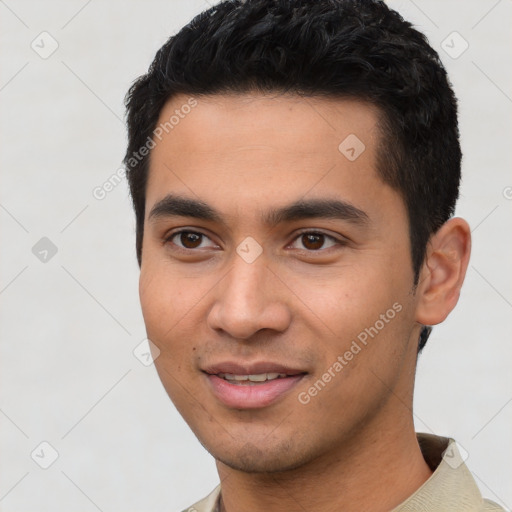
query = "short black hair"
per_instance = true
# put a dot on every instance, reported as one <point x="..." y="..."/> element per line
<point x="353" y="49"/>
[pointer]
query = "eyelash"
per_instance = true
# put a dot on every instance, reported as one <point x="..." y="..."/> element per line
<point x="338" y="242"/>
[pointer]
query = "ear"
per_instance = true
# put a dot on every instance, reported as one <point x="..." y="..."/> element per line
<point x="443" y="271"/>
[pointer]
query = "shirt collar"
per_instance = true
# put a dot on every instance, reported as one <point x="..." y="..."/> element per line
<point x="450" y="487"/>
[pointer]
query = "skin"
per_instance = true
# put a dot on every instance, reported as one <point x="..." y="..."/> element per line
<point x="353" y="445"/>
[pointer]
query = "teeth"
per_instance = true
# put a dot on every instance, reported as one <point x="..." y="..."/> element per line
<point x="260" y="377"/>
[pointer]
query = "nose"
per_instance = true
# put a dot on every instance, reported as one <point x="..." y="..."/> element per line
<point x="249" y="299"/>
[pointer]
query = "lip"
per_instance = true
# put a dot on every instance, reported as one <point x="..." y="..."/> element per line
<point x="251" y="396"/>
<point x="250" y="369"/>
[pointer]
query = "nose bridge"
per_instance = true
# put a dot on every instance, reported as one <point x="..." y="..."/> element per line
<point x="245" y="284"/>
<point x="246" y="301"/>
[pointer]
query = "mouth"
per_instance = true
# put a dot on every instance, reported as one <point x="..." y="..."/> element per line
<point x="251" y="380"/>
<point x="251" y="386"/>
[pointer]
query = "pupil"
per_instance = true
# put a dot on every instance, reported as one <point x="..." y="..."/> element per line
<point x="312" y="241"/>
<point x="190" y="240"/>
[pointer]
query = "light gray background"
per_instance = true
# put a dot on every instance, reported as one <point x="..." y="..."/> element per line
<point x="69" y="325"/>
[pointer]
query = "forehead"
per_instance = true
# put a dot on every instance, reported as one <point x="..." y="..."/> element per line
<point x="249" y="150"/>
<point x="286" y="122"/>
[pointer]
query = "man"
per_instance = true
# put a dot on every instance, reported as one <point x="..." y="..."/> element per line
<point x="294" y="167"/>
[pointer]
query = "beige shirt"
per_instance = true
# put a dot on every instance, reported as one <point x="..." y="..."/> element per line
<point x="450" y="488"/>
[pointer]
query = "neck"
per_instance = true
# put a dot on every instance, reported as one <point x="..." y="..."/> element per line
<point x="374" y="471"/>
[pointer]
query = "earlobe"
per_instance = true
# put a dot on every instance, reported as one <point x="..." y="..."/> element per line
<point x="443" y="271"/>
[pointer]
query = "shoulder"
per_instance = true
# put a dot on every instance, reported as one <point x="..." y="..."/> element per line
<point x="208" y="504"/>
<point x="491" y="506"/>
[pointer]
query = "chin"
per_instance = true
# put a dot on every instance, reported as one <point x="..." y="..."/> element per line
<point x="250" y="458"/>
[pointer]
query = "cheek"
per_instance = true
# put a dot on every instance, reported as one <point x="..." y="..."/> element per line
<point x="152" y="295"/>
<point x="168" y="317"/>
<point x="162" y="305"/>
<point x="174" y="308"/>
<point x="165" y="296"/>
<point x="347" y="300"/>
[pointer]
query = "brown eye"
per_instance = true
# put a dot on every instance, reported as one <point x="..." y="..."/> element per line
<point x="190" y="240"/>
<point x="313" y="241"/>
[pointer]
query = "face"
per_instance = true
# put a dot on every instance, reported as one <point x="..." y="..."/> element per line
<point x="276" y="277"/>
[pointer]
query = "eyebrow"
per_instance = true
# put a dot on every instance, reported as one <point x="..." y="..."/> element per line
<point x="179" y="206"/>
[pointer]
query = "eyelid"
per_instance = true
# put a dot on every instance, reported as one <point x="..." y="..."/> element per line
<point x="171" y="234"/>
<point x="339" y="240"/>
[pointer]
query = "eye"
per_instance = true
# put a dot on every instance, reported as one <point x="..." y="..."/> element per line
<point x="189" y="240"/>
<point x="315" y="240"/>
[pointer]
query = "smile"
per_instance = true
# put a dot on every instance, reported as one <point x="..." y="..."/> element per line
<point x="243" y="385"/>
<point x="251" y="379"/>
<point x="251" y="391"/>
